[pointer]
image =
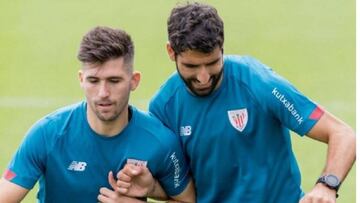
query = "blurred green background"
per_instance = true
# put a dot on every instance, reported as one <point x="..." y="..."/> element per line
<point x="310" y="42"/>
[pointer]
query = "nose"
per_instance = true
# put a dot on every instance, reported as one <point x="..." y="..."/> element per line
<point x="203" y="75"/>
<point x="104" y="90"/>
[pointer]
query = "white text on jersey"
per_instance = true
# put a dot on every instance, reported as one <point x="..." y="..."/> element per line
<point x="290" y="107"/>
<point x="77" y="166"/>
<point x="177" y="168"/>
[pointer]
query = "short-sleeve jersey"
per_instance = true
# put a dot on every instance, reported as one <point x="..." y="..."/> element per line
<point x="72" y="162"/>
<point x="237" y="138"/>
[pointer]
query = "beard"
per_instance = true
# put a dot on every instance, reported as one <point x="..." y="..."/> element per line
<point x="109" y="115"/>
<point x="109" y="118"/>
<point x="215" y="79"/>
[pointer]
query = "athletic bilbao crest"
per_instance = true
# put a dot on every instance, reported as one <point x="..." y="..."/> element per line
<point x="238" y="119"/>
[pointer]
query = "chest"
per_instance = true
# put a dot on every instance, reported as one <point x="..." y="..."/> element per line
<point x="229" y="125"/>
<point x="79" y="165"/>
<point x="226" y="116"/>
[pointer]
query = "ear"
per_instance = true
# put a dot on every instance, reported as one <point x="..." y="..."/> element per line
<point x="81" y="78"/>
<point x="135" y="80"/>
<point x="170" y="51"/>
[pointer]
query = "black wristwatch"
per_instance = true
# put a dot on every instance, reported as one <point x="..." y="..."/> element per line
<point x="330" y="181"/>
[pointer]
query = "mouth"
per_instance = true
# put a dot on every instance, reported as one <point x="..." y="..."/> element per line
<point x="104" y="105"/>
<point x="202" y="88"/>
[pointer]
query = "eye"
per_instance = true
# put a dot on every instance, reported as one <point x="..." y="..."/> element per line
<point x="191" y="66"/>
<point x="213" y="63"/>
<point x="92" y="80"/>
<point x="114" y="80"/>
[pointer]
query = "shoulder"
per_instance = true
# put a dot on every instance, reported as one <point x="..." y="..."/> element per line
<point x="250" y="72"/>
<point x="62" y="115"/>
<point x="60" y="120"/>
<point x="245" y="66"/>
<point x="168" y="89"/>
<point x="43" y="134"/>
<point x="153" y="128"/>
<point x="254" y="78"/>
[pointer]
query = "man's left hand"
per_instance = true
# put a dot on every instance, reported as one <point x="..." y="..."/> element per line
<point x="319" y="194"/>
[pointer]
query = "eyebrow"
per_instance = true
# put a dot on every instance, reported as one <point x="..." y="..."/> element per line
<point x="207" y="64"/>
<point x="108" y="78"/>
<point x="91" y="77"/>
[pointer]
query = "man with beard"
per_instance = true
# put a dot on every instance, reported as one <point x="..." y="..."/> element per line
<point x="233" y="115"/>
<point x="73" y="151"/>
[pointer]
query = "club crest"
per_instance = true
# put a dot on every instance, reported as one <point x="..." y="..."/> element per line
<point x="238" y="118"/>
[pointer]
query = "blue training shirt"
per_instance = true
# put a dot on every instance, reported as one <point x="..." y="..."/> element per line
<point x="237" y="139"/>
<point x="71" y="161"/>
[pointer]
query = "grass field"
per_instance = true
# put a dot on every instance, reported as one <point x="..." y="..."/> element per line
<point x="311" y="43"/>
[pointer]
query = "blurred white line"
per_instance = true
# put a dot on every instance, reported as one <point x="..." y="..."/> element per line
<point x="46" y="102"/>
<point x="33" y="102"/>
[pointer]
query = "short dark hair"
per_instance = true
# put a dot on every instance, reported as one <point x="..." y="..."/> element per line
<point x="195" y="26"/>
<point x="103" y="43"/>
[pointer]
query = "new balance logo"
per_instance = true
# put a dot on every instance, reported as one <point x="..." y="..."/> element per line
<point x="185" y="130"/>
<point x="77" y="166"/>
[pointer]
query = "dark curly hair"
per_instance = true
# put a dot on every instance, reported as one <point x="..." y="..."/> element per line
<point x="195" y="26"/>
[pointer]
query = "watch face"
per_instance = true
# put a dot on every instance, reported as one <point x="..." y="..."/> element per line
<point x="332" y="180"/>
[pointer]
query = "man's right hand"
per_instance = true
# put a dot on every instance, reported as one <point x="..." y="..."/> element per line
<point x="135" y="181"/>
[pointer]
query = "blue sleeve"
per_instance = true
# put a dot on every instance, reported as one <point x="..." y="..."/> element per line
<point x="163" y="104"/>
<point x="27" y="165"/>
<point x="279" y="97"/>
<point x="174" y="171"/>
<point x="157" y="107"/>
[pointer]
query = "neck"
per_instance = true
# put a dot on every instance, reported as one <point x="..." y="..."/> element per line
<point x="107" y="128"/>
